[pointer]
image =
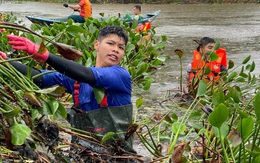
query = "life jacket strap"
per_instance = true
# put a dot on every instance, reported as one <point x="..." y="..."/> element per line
<point x="76" y="87"/>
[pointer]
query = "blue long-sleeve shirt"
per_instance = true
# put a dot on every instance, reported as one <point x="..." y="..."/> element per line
<point x="115" y="80"/>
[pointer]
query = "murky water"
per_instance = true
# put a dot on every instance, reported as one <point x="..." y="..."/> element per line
<point x="237" y="26"/>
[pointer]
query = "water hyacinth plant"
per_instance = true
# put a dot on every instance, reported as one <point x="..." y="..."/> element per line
<point x="220" y="125"/>
<point x="24" y="107"/>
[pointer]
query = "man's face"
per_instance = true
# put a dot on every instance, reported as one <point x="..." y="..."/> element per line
<point x="208" y="48"/>
<point x="136" y="11"/>
<point x="140" y="26"/>
<point x="110" y="51"/>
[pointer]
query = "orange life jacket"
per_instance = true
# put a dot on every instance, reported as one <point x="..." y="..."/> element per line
<point x="198" y="64"/>
<point x="147" y="26"/>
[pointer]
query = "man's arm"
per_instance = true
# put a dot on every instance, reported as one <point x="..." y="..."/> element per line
<point x="71" y="69"/>
<point x="74" y="7"/>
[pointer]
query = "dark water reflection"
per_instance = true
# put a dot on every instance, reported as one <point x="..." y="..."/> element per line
<point x="237" y="26"/>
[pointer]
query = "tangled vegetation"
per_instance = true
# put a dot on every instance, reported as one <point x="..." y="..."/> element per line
<point x="30" y="116"/>
<point x="219" y="124"/>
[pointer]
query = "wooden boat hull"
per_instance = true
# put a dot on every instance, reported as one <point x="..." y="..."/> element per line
<point x="48" y="21"/>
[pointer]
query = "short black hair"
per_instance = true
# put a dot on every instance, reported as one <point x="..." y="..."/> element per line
<point x="109" y="30"/>
<point x="138" y="7"/>
<point x="204" y="41"/>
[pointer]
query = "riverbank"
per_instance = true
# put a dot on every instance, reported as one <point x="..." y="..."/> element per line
<point x="143" y="2"/>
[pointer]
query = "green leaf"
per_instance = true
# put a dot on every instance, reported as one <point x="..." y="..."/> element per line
<point x="202" y="88"/>
<point x="147" y="84"/>
<point x="107" y="137"/>
<point x="164" y="138"/>
<point x="61" y="112"/>
<point x="178" y="125"/>
<point x="246" y="59"/>
<point x="75" y="29"/>
<point x="217" y="45"/>
<point x="234" y="94"/>
<point x="34" y="113"/>
<point x="218" y="97"/>
<point x="232" y="76"/>
<point x="130" y="47"/>
<point x="174" y="117"/>
<point x="139" y="102"/>
<point x="257" y="105"/>
<point x="12" y="113"/>
<point x="56" y="91"/>
<point x="142" y="68"/>
<point x="54" y="105"/>
<point x="245" y="126"/>
<point x="195" y="114"/>
<point x="137" y="37"/>
<point x="196" y="126"/>
<point x="240" y="79"/>
<point x="224" y="131"/>
<point x="230" y="64"/>
<point x="45" y="108"/>
<point x="218" y="116"/>
<point x="164" y="38"/>
<point x="19" y="133"/>
<point x="213" y="56"/>
<point x="99" y="94"/>
<point x="207" y="70"/>
<point x="242" y="114"/>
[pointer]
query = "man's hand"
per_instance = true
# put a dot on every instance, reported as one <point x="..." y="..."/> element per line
<point x="3" y="55"/>
<point x="21" y="43"/>
<point x="65" y="5"/>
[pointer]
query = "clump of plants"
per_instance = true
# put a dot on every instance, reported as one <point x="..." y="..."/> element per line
<point x="220" y="125"/>
<point x="30" y="116"/>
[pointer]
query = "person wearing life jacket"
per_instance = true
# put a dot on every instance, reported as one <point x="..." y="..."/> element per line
<point x="200" y="60"/>
<point x="144" y="28"/>
<point x="83" y="7"/>
<point x="114" y="113"/>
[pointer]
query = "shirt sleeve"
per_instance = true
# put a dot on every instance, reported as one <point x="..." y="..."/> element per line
<point x="113" y="78"/>
<point x="56" y="78"/>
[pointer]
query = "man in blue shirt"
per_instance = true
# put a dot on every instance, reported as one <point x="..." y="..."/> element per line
<point x="80" y="80"/>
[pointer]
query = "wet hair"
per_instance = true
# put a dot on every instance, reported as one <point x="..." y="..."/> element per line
<point x="112" y="30"/>
<point x="138" y="7"/>
<point x="204" y="41"/>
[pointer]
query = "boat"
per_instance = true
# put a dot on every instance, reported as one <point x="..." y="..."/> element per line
<point x="149" y="17"/>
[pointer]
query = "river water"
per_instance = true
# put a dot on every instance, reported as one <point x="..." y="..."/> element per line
<point x="237" y="26"/>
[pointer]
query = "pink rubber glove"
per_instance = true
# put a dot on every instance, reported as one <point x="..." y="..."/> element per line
<point x="3" y="55"/>
<point x="21" y="43"/>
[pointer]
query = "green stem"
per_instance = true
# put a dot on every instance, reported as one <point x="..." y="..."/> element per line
<point x="181" y="75"/>
<point x="184" y="121"/>
<point x="223" y="146"/>
<point x="256" y="133"/>
<point x="232" y="154"/>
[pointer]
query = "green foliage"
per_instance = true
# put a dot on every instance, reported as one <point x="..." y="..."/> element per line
<point x="232" y="129"/>
<point x="141" y="57"/>
<point x="19" y="133"/>
<point x="218" y="116"/>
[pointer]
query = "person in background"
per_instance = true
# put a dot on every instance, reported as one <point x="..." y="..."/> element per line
<point x="83" y="7"/>
<point x="144" y="28"/>
<point x="137" y="12"/>
<point x="200" y="60"/>
<point x="80" y="81"/>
